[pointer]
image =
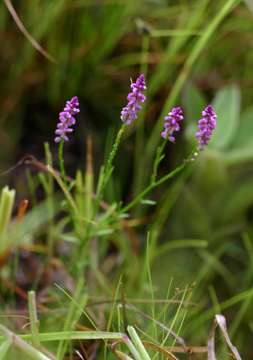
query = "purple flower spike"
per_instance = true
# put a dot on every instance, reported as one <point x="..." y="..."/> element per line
<point x="206" y="125"/>
<point x="67" y="119"/>
<point x="135" y="98"/>
<point x="172" y="123"/>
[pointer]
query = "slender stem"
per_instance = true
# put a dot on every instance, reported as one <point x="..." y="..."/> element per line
<point x="33" y="318"/>
<point x="157" y="161"/>
<point x="64" y="189"/>
<point x="103" y="180"/>
<point x="61" y="160"/>
<point x="152" y="186"/>
<point x="109" y="165"/>
<point x="50" y="191"/>
<point x="6" y="207"/>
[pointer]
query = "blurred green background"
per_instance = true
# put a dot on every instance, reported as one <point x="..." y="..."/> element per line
<point x="98" y="47"/>
<point x="193" y="53"/>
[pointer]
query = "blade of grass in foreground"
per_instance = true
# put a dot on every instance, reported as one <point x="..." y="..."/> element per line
<point x="19" y="340"/>
<point x="20" y="344"/>
<point x="150" y="284"/>
<point x="4" y="348"/>
<point x="73" y="335"/>
<point x="138" y="344"/>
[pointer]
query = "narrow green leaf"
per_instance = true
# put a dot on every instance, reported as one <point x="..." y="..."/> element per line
<point x="138" y="343"/>
<point x="181" y="244"/>
<point x="75" y="335"/>
<point x="104" y="232"/>
<point x="148" y="202"/>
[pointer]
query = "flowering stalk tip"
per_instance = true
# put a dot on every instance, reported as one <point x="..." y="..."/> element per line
<point x="172" y="123"/>
<point x="67" y="119"/>
<point x="135" y="98"/>
<point x="206" y="126"/>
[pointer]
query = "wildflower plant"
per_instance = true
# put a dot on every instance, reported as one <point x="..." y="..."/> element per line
<point x="64" y="127"/>
<point x="91" y="238"/>
<point x="173" y="122"/>
<point x="172" y="125"/>
<point x="129" y="114"/>
<point x="89" y="216"/>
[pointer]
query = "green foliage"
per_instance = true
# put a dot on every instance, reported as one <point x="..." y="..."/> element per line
<point x="227" y="107"/>
<point x="147" y="247"/>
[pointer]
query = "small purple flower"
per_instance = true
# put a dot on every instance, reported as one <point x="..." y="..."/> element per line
<point x="206" y="125"/>
<point x="135" y="98"/>
<point x="67" y="119"/>
<point x="172" y="123"/>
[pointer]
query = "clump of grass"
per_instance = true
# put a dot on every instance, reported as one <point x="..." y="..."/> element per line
<point x="88" y="223"/>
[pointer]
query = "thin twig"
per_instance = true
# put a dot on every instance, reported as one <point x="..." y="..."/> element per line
<point x="29" y="37"/>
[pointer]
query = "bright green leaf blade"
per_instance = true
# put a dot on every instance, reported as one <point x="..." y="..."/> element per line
<point x="4" y="348"/>
<point x="244" y="135"/>
<point x="227" y="106"/>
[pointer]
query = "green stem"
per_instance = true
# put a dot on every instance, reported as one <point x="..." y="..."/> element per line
<point x="102" y="182"/>
<point x="6" y="207"/>
<point x="61" y="160"/>
<point x="109" y="165"/>
<point x="152" y="186"/>
<point x="34" y="322"/>
<point x="158" y="159"/>
<point x="50" y="192"/>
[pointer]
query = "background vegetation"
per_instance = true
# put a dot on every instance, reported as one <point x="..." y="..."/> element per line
<point x="187" y="250"/>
